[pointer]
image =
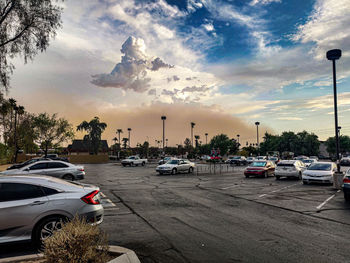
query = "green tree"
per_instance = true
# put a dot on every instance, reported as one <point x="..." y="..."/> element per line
<point x="51" y="131"/>
<point x="26" y="27"/>
<point x="224" y="143"/>
<point x="344" y="145"/>
<point x="94" y="128"/>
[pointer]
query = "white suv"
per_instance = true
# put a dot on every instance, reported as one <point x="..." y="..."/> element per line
<point x="289" y="168"/>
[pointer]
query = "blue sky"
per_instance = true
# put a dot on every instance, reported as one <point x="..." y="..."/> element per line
<point x="245" y="61"/>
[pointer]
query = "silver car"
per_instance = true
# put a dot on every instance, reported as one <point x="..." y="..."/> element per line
<point x="289" y="168"/>
<point x="176" y="166"/>
<point x="32" y="207"/>
<point x="58" y="169"/>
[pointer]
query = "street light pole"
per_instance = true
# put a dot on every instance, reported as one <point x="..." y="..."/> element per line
<point x="206" y="138"/>
<point x="129" y="130"/>
<point x="257" y="134"/>
<point x="334" y="55"/>
<point x="163" y="119"/>
<point x="192" y="125"/>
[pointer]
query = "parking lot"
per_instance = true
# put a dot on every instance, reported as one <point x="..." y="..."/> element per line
<point x="221" y="217"/>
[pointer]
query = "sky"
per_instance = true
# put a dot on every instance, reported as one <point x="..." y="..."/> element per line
<point x="222" y="64"/>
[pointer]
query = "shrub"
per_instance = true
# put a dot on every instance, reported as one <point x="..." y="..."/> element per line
<point x="76" y="242"/>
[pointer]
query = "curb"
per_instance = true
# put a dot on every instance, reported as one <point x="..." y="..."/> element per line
<point x="128" y="256"/>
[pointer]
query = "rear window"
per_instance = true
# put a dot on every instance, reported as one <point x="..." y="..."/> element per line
<point x="258" y="164"/>
<point x="19" y="191"/>
<point x="56" y="165"/>
<point x="285" y="165"/>
<point x="320" y="166"/>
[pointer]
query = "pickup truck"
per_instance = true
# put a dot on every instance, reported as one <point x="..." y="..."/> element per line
<point x="134" y="160"/>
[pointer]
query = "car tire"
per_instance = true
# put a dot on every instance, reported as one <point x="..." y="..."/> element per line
<point x="124" y="164"/>
<point x="347" y="196"/>
<point x="300" y="176"/>
<point x="68" y="177"/>
<point x="143" y="163"/>
<point x="247" y="176"/>
<point x="277" y="177"/>
<point x="131" y="164"/>
<point x="190" y="170"/>
<point x="173" y="171"/>
<point x="45" y="228"/>
<point x="304" y="182"/>
<point x="160" y="173"/>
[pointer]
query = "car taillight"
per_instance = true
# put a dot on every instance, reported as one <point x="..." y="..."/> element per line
<point x="81" y="169"/>
<point x="346" y="180"/>
<point x="91" y="198"/>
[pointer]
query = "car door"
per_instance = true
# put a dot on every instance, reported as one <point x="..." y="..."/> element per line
<point x="182" y="166"/>
<point x="37" y="168"/>
<point x="56" y="169"/>
<point x="20" y="205"/>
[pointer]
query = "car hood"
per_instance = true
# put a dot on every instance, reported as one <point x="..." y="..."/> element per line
<point x="12" y="171"/>
<point x="317" y="173"/>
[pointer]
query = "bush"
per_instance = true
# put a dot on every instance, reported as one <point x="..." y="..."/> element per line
<point x="76" y="242"/>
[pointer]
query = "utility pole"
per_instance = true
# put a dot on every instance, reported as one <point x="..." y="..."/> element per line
<point x="257" y="135"/>
<point x="163" y="119"/>
<point x="192" y="126"/>
<point x="129" y="130"/>
<point x="206" y="138"/>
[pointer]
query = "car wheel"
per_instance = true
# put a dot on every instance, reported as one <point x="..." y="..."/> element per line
<point x="143" y="163"/>
<point x="131" y="164"/>
<point x="277" y="177"/>
<point x="190" y="170"/>
<point x="305" y="182"/>
<point x="68" y="177"/>
<point x="160" y="173"/>
<point x="45" y="228"/>
<point x="173" y="171"/>
<point x="347" y="196"/>
<point x="247" y="176"/>
<point x="124" y="164"/>
<point x="300" y="176"/>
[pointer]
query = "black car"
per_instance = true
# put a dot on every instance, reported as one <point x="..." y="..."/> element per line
<point x="238" y="160"/>
<point x="20" y="165"/>
<point x="345" y="161"/>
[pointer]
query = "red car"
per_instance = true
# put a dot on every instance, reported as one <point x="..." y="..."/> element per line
<point x="260" y="168"/>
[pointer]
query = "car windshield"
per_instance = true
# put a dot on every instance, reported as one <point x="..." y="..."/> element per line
<point x="173" y="162"/>
<point x="320" y="167"/>
<point x="236" y="157"/>
<point x="308" y="161"/>
<point x="258" y="164"/>
<point x="132" y="157"/>
<point x="273" y="158"/>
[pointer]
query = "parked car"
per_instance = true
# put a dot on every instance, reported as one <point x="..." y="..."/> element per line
<point x="57" y="169"/>
<point x="289" y="168"/>
<point x="237" y="160"/>
<point x="20" y="165"/>
<point x="165" y="160"/>
<point x="32" y="207"/>
<point x="260" y="158"/>
<point x="205" y="158"/>
<point x="134" y="160"/>
<point x="250" y="160"/>
<point x="260" y="168"/>
<point x="301" y="158"/>
<point x="176" y="166"/>
<point x="274" y="159"/>
<point x="346" y="185"/>
<point x="345" y="161"/>
<point x="314" y="157"/>
<point x="308" y="162"/>
<point x="321" y="172"/>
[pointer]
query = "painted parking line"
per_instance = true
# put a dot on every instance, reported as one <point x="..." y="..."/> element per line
<point x="278" y="190"/>
<point x="326" y="201"/>
<point x="103" y="195"/>
<point x="106" y="202"/>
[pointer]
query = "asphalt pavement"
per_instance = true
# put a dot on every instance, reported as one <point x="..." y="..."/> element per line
<point x="221" y="217"/>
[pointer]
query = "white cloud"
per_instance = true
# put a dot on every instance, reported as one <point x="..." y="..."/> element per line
<point x="131" y="72"/>
<point x="327" y="27"/>
<point x="264" y="2"/>
<point x="289" y="118"/>
<point x="209" y="27"/>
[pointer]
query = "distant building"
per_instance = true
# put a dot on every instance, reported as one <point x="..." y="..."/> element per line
<point x="82" y="147"/>
<point x="323" y="150"/>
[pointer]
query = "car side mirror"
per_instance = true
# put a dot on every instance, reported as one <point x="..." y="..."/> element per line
<point x="26" y="170"/>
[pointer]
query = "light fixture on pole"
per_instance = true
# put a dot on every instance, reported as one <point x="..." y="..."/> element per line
<point x="257" y="134"/>
<point x="334" y="55"/>
<point x="163" y="119"/>
<point x="129" y="130"/>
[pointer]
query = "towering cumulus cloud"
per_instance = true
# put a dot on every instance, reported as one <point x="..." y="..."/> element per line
<point x="131" y="72"/>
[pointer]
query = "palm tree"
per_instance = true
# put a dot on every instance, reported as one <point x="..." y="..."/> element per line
<point x="197" y="137"/>
<point x="119" y="131"/>
<point x="115" y="139"/>
<point x="125" y="141"/>
<point x="95" y="129"/>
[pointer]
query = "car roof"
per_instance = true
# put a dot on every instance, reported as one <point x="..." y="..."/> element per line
<point x="288" y="161"/>
<point x="34" y="178"/>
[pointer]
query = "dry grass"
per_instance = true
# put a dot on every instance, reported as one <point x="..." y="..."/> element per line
<point x="77" y="242"/>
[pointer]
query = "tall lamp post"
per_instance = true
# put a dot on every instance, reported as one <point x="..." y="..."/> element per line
<point x="238" y="138"/>
<point x="129" y="130"/>
<point x="163" y="119"/>
<point x="257" y="134"/>
<point x="334" y="55"/>
<point x="206" y="138"/>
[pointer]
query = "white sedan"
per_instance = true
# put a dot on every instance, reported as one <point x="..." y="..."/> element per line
<point x="176" y="166"/>
<point x="321" y="172"/>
